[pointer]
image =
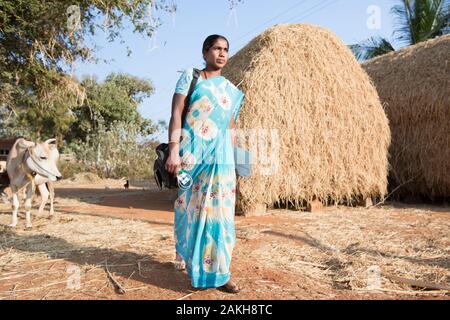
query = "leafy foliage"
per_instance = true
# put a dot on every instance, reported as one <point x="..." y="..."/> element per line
<point x="116" y="152"/>
<point x="116" y="99"/>
<point x="420" y="20"/>
<point x="40" y="40"/>
<point x="415" y="21"/>
<point x="372" y="47"/>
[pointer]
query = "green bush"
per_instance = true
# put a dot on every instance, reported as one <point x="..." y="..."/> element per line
<point x="115" y="153"/>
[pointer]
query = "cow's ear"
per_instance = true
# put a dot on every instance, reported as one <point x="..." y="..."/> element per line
<point x="24" y="144"/>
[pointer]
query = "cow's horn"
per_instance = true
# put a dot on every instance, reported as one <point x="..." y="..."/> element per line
<point x="50" y="141"/>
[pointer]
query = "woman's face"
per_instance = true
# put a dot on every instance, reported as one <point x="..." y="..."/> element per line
<point x="217" y="55"/>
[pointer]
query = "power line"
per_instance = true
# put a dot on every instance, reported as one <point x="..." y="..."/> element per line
<point x="271" y="19"/>
<point x="165" y="88"/>
<point x="314" y="9"/>
<point x="308" y="12"/>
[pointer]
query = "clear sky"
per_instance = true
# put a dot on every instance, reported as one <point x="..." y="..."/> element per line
<point x="178" y="41"/>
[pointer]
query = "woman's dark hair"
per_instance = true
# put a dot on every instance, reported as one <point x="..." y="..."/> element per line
<point x="210" y="40"/>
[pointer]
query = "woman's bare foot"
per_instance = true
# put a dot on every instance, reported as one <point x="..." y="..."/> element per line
<point x="230" y="287"/>
<point x="179" y="263"/>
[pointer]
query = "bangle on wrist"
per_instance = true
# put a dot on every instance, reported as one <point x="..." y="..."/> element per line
<point x="175" y="142"/>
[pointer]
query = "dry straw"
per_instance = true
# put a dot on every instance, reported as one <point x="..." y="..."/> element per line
<point x="414" y="86"/>
<point x="333" y="134"/>
<point x="315" y="256"/>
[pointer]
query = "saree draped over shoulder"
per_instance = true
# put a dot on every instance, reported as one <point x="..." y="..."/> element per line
<point x="204" y="214"/>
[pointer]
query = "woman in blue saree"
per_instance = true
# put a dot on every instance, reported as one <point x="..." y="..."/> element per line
<point x="203" y="147"/>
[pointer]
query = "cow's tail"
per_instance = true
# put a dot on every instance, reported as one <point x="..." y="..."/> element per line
<point x="3" y="194"/>
<point x="4" y="183"/>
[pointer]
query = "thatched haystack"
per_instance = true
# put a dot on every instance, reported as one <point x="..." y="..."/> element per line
<point x="414" y="85"/>
<point x="329" y="136"/>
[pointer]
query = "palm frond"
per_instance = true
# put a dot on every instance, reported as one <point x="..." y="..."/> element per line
<point x="404" y="23"/>
<point x="441" y="25"/>
<point x="370" y="48"/>
<point x="420" y="20"/>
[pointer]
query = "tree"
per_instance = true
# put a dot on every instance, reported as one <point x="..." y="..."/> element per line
<point x="372" y="47"/>
<point x="114" y="100"/>
<point x="39" y="41"/>
<point x="116" y="152"/>
<point x="415" y="21"/>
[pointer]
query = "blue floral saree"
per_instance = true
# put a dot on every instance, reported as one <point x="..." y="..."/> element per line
<point x="204" y="213"/>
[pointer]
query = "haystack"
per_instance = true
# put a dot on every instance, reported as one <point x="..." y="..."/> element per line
<point x="414" y="85"/>
<point x="319" y="130"/>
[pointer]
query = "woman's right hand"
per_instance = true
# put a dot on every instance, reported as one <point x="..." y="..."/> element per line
<point x="173" y="163"/>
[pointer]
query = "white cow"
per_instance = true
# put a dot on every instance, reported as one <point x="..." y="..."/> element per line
<point x="29" y="165"/>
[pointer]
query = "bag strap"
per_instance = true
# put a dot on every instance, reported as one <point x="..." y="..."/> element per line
<point x="196" y="75"/>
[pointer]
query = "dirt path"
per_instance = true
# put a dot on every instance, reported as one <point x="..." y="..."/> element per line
<point x="332" y="254"/>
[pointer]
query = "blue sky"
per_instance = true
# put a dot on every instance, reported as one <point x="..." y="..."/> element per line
<point x="178" y="41"/>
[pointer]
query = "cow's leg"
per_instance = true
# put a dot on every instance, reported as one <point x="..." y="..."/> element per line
<point x="44" y="197"/>
<point x="30" y="193"/>
<point x="51" y="190"/>
<point x="15" y="204"/>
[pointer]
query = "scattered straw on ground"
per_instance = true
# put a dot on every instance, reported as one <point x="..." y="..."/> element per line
<point x="335" y="253"/>
<point x="342" y="248"/>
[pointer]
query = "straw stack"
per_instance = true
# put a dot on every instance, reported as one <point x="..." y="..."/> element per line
<point x="414" y="85"/>
<point x="319" y="130"/>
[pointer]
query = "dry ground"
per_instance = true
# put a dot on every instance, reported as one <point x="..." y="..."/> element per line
<point x="332" y="254"/>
